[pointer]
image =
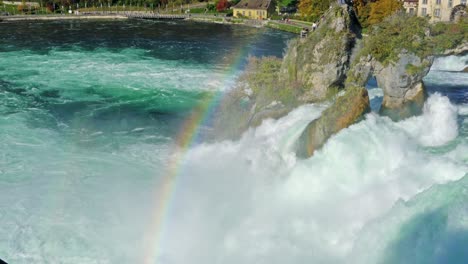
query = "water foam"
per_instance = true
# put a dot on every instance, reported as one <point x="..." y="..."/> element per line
<point x="246" y="201"/>
<point x="450" y="63"/>
<point x="130" y="68"/>
<point x="438" y="123"/>
<point x="277" y="209"/>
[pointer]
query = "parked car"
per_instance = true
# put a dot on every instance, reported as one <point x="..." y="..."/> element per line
<point x="4" y="13"/>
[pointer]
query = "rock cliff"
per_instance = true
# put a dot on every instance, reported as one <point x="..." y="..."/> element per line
<point x="313" y="69"/>
<point x="318" y="64"/>
<point x="401" y="81"/>
<point x="399" y="54"/>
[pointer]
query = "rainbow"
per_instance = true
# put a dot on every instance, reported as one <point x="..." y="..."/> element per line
<point x="187" y="137"/>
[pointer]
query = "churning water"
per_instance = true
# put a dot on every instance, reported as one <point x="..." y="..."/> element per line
<point x="89" y="118"/>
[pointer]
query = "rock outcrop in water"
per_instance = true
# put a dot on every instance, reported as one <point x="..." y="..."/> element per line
<point x="345" y="111"/>
<point x="318" y="64"/>
<point x="402" y="83"/>
<point x="399" y="52"/>
<point x="258" y="95"/>
<point x="313" y="70"/>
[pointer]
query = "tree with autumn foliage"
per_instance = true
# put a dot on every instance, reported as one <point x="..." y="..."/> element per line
<point x="311" y="10"/>
<point x="362" y="9"/>
<point x="373" y="12"/>
<point x="383" y="8"/>
<point x="222" y="5"/>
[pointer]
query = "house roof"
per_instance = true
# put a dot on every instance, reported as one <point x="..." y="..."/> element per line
<point x="253" y="4"/>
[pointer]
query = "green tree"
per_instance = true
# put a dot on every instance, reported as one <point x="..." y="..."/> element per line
<point x="286" y="3"/>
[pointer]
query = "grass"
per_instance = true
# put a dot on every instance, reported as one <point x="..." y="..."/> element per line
<point x="13" y="10"/>
<point x="285" y="27"/>
<point x="203" y="10"/>
<point x="307" y="23"/>
<point x="413" y="69"/>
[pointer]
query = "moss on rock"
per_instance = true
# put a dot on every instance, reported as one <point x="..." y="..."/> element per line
<point x="345" y="111"/>
<point x="259" y="94"/>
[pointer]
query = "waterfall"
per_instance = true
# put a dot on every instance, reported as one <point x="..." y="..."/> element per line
<point x="450" y="63"/>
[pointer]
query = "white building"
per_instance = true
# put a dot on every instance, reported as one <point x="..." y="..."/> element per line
<point x="411" y="6"/>
<point x="440" y="10"/>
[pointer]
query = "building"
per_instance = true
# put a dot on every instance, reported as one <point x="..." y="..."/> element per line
<point x="254" y="9"/>
<point x="440" y="10"/>
<point x="411" y="6"/>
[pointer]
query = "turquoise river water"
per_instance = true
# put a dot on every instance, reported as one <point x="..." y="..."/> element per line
<point x="90" y="113"/>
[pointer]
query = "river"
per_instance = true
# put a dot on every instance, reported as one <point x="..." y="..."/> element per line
<point x="100" y="160"/>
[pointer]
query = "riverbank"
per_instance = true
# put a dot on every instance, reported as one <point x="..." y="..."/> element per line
<point x="62" y="17"/>
<point x="279" y="25"/>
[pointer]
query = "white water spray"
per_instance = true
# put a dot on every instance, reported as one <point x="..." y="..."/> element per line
<point x="450" y="63"/>
<point x="252" y="201"/>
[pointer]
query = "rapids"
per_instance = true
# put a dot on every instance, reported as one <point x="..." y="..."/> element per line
<point x="89" y="121"/>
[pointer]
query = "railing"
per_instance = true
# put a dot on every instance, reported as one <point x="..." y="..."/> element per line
<point x="156" y="16"/>
<point x="150" y="15"/>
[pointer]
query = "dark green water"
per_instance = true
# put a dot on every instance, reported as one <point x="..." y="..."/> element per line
<point x="120" y="76"/>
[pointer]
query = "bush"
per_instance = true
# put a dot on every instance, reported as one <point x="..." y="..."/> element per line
<point x="414" y="34"/>
<point x="262" y="76"/>
<point x="394" y="34"/>
<point x="210" y="7"/>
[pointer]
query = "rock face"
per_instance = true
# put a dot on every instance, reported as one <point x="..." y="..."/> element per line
<point x="346" y="110"/>
<point x="318" y="63"/>
<point x="313" y="69"/>
<point x="399" y="53"/>
<point x="459" y="50"/>
<point x="402" y="83"/>
<point x="332" y="58"/>
<point x="258" y="95"/>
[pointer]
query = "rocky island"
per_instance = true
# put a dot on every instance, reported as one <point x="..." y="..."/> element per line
<point x="333" y="64"/>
